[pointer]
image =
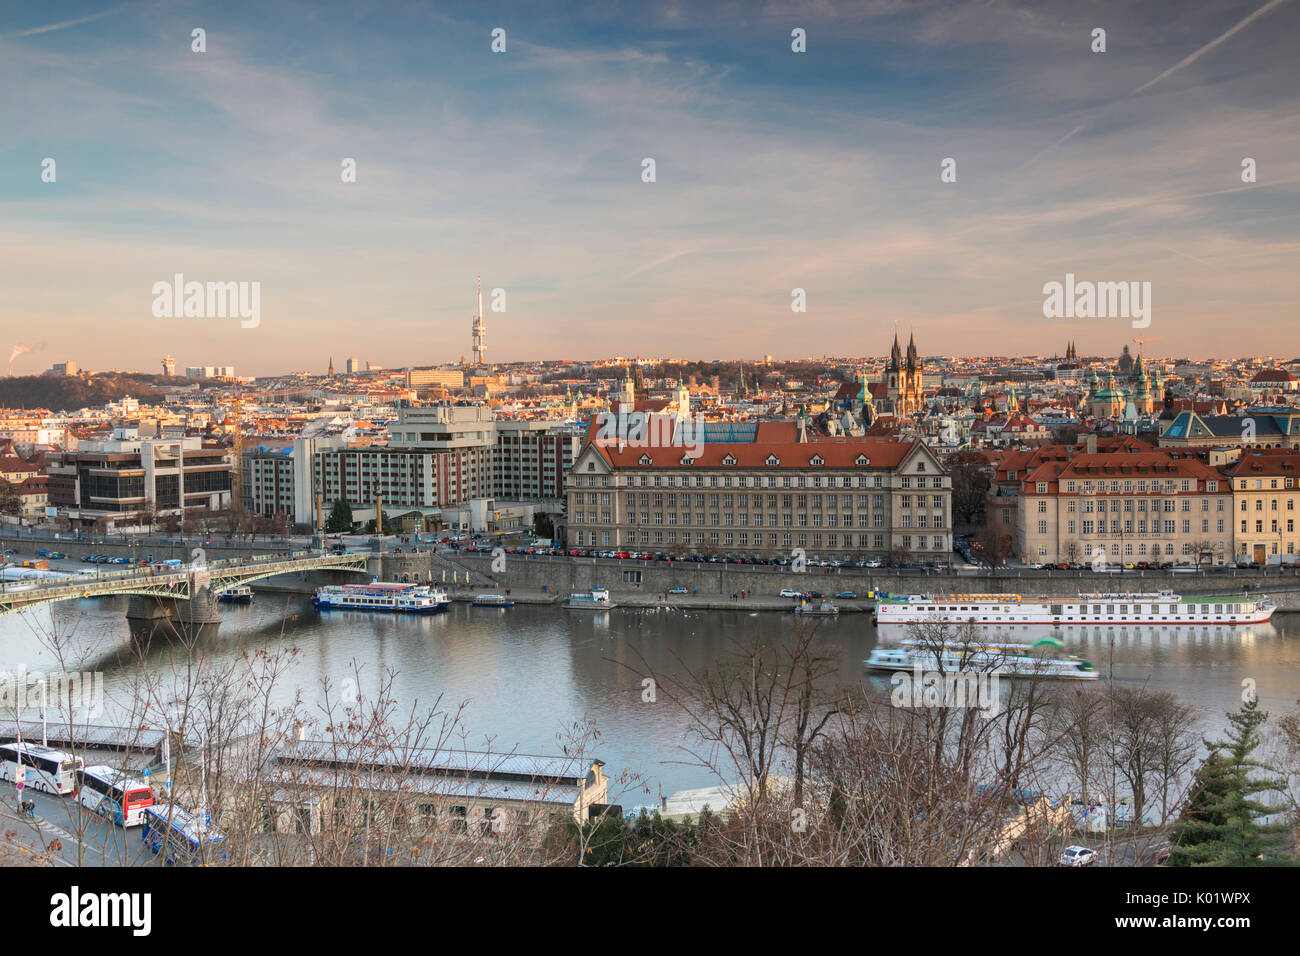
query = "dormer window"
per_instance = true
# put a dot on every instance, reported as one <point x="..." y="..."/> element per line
<point x="687" y="460"/>
<point x="645" y="460"/>
<point x="773" y="460"/>
<point x="729" y="459"/>
<point x="816" y="460"/>
<point x="862" y="460"/>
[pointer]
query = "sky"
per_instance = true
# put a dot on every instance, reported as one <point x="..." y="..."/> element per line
<point x="774" y="171"/>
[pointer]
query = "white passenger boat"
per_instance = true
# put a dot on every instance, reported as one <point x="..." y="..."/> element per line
<point x="376" y="596"/>
<point x="1152" y="607"/>
<point x="597" y="599"/>
<point x="242" y="594"/>
<point x="492" y="600"/>
<point x="1004" y="659"/>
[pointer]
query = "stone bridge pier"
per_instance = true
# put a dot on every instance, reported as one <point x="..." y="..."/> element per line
<point x="199" y="612"/>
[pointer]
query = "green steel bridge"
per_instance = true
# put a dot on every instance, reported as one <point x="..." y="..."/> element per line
<point x="187" y="592"/>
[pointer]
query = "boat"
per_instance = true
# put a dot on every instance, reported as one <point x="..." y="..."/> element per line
<point x="376" y="596"/>
<point x="492" y="600"/>
<point x="1149" y="607"/>
<point x="979" y="657"/>
<point x="824" y="609"/>
<point x="597" y="599"/>
<point x="238" y="595"/>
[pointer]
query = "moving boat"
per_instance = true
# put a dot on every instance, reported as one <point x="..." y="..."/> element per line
<point x="238" y="595"/>
<point x="492" y="600"/>
<point x="1151" y="607"/>
<point x="376" y="596"/>
<point x="978" y="657"/>
<point x="597" y="599"/>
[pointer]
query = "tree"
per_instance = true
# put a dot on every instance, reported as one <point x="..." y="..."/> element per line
<point x="340" y="517"/>
<point x="1073" y="550"/>
<point x="972" y="477"/>
<point x="995" y="543"/>
<point x="1221" y="825"/>
<point x="11" y="503"/>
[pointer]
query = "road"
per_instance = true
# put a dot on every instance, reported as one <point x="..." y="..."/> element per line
<point x="55" y="828"/>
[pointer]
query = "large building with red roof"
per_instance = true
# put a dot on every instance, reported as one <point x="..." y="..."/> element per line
<point x="759" y="489"/>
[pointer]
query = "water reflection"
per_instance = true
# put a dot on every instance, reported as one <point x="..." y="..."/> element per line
<point x="529" y="672"/>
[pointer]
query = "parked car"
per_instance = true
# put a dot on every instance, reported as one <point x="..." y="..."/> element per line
<point x="678" y="590"/>
<point x="788" y="593"/>
<point x="847" y="594"/>
<point x="1078" y="856"/>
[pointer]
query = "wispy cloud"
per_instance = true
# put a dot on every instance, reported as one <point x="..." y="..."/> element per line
<point x="51" y="27"/>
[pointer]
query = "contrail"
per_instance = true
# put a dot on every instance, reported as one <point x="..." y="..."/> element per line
<point x="18" y="350"/>
<point x="1192" y="57"/>
<point x="59" y="26"/>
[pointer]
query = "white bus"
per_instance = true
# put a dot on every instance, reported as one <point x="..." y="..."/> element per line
<point x="115" y="795"/>
<point x="187" y="843"/>
<point x="46" y="768"/>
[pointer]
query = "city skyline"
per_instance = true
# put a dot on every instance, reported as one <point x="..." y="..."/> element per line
<point x="775" y="171"/>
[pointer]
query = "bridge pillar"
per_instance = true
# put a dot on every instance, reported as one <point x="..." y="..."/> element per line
<point x="140" y="607"/>
<point x="201" y="608"/>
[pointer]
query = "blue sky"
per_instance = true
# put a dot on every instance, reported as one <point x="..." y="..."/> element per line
<point x="775" y="170"/>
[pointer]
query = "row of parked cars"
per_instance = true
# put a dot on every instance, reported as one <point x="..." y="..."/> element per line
<point x="103" y="559"/>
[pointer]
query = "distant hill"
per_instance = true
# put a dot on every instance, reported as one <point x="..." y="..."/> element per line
<point x="64" y="393"/>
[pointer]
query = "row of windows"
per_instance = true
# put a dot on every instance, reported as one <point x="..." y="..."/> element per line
<point x="744" y="540"/>
<point x="757" y="481"/>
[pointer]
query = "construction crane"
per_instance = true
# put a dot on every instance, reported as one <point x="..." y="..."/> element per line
<point x="1157" y="338"/>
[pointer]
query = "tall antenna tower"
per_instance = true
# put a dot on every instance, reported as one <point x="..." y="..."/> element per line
<point x="480" y="330"/>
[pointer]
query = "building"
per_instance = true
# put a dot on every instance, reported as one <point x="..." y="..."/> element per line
<point x="268" y="486"/>
<point x="210" y="371"/>
<point x="169" y="366"/>
<point x="762" y="489"/>
<point x="436" y="456"/>
<point x="126" y="476"/>
<point x="64" y="368"/>
<point x="1266" y="428"/>
<point x="901" y="392"/>
<point x="1124" y="506"/>
<point x="354" y="366"/>
<point x="1265" y="486"/>
<point x="434" y="378"/>
<point x="532" y="457"/>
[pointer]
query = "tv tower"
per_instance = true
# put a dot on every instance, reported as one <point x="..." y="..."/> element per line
<point x="480" y="330"/>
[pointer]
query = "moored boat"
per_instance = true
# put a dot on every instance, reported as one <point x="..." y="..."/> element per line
<point x="1154" y="607"/>
<point x="492" y="600"/>
<point x="377" y="596"/>
<point x="237" y="595"/>
<point x="597" y="599"/>
<point x="824" y="609"/>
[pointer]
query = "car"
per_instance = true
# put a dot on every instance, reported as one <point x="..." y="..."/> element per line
<point x="789" y="593"/>
<point x="678" y="590"/>
<point x="1078" y="856"/>
<point x="847" y="594"/>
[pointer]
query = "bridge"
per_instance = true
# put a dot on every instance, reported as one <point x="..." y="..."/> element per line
<point x="187" y="593"/>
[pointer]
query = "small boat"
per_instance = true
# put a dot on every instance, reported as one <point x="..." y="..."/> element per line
<point x="492" y="600"/>
<point x="376" y="596"/>
<point x="597" y="599"/>
<point x="240" y="595"/>
<point x="978" y="657"/>
<point x="824" y="609"/>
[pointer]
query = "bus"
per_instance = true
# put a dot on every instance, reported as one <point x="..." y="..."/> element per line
<point x="47" y="769"/>
<point x="114" y="794"/>
<point x="187" y="841"/>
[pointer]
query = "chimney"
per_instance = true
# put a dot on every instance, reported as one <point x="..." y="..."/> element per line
<point x="1090" y="443"/>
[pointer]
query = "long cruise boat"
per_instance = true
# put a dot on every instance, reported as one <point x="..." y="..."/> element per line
<point x="1004" y="659"/>
<point x="377" y="596"/>
<point x="1152" y="607"/>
